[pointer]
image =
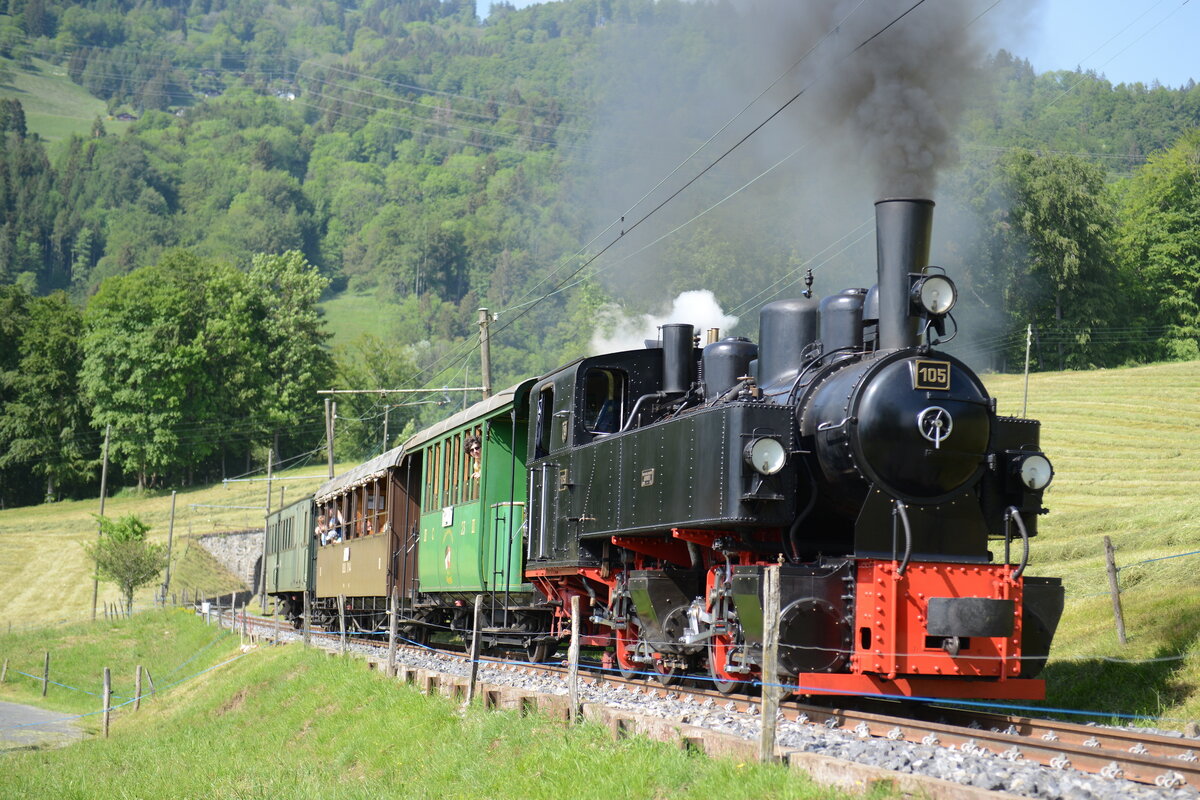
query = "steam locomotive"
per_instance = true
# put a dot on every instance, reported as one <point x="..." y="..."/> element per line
<point x="659" y="484"/>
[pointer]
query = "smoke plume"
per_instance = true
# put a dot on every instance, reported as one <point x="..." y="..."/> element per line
<point x="618" y="331"/>
<point x="882" y="87"/>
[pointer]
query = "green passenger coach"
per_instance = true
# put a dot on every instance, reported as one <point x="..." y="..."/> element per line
<point x="288" y="557"/>
<point x="473" y="498"/>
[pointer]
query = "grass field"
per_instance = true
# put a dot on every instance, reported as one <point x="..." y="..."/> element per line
<point x="44" y="573"/>
<point x="284" y="722"/>
<point x="1126" y="447"/>
<point x="55" y="107"/>
<point x="348" y="316"/>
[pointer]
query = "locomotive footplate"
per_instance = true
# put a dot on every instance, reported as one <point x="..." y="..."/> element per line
<point x="813" y="683"/>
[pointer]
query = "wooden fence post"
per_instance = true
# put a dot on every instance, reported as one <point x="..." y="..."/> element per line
<point x="137" y="688"/>
<point x="149" y="680"/>
<point x="307" y="619"/>
<point x="770" y="668"/>
<point x="573" y="660"/>
<point x="342" y="620"/>
<point x="393" y="630"/>
<point x="107" y="697"/>
<point x="46" y="674"/>
<point x="1114" y="588"/>
<point x="475" y="626"/>
<point x="4" y="671"/>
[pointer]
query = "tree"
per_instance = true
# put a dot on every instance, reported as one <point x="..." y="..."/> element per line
<point x="1160" y="242"/>
<point x="123" y="556"/>
<point x="297" y="361"/>
<point x="44" y="423"/>
<point x="1052" y="254"/>
<point x="144" y="366"/>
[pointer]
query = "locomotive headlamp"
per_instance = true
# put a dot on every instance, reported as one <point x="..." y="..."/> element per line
<point x="1035" y="471"/>
<point x="766" y="455"/>
<point x="934" y="294"/>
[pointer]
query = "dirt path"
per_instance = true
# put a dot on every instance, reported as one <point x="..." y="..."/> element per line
<point x="28" y="726"/>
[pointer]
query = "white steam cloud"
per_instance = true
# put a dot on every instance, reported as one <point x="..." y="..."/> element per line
<point x="617" y="331"/>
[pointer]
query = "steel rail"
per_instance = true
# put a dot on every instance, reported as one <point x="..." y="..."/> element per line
<point x="1141" y="757"/>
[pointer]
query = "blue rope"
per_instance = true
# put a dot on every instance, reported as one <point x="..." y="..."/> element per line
<point x="1163" y="558"/>
<point x="127" y="702"/>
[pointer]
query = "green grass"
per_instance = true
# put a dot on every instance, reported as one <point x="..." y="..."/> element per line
<point x="55" y="107"/>
<point x="286" y="722"/>
<point x="1125" y="445"/>
<point x="160" y="641"/>
<point x="350" y="315"/>
<point x="44" y="572"/>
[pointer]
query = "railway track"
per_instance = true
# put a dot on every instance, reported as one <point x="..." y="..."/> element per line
<point x="1140" y="756"/>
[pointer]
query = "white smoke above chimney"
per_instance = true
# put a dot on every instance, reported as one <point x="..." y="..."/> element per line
<point x="617" y="331"/>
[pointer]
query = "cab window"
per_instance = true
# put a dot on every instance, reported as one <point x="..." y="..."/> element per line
<point x="545" y="424"/>
<point x="603" y="400"/>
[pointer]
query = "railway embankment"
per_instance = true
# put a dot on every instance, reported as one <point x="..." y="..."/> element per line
<point x="286" y="722"/>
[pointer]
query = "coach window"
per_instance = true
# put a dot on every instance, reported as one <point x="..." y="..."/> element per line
<point x="447" y="473"/>
<point x="456" y="449"/>
<point x="472" y="463"/>
<point x="545" y="424"/>
<point x="603" y="400"/>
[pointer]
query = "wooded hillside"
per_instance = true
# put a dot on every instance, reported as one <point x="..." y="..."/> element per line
<point x="409" y="151"/>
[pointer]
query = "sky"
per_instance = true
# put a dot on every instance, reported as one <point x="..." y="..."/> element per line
<point x="1128" y="41"/>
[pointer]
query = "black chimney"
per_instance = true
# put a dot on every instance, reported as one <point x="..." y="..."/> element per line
<point x="902" y="232"/>
<point x="679" y="361"/>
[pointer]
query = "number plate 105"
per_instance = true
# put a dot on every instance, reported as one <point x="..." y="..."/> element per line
<point x="933" y="375"/>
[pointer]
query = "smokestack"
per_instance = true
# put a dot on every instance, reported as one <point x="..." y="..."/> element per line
<point x="902" y="231"/>
<point x="679" y="362"/>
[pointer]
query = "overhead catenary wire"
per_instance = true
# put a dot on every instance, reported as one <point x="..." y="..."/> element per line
<point x="708" y="168"/>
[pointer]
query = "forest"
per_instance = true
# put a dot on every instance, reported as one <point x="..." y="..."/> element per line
<point x="165" y="283"/>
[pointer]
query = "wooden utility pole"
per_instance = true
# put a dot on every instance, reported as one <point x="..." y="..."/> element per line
<point x="262" y="577"/>
<point x="170" y="543"/>
<point x="1028" y="343"/>
<point x="330" y="410"/>
<point x="770" y="668"/>
<point x="387" y="410"/>
<point x="1114" y="589"/>
<point x="476" y="624"/>
<point x="100" y="530"/>
<point x="485" y="350"/>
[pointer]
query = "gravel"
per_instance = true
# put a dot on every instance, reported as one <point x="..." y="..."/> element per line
<point x="961" y="765"/>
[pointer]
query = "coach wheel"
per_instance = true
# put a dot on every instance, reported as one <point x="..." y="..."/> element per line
<point x="539" y="652"/>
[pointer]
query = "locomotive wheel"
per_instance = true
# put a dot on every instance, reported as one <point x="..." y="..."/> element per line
<point x="667" y="676"/>
<point x="630" y="643"/>
<point x="718" y="656"/>
<point x="627" y="642"/>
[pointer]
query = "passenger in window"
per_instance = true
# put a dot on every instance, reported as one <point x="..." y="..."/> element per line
<point x="322" y="533"/>
<point x="335" y="525"/>
<point x="474" y="448"/>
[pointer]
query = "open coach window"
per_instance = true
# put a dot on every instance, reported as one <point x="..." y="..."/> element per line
<point x="603" y="400"/>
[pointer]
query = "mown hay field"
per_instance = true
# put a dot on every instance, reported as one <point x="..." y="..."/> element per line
<point x="1125" y="444"/>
